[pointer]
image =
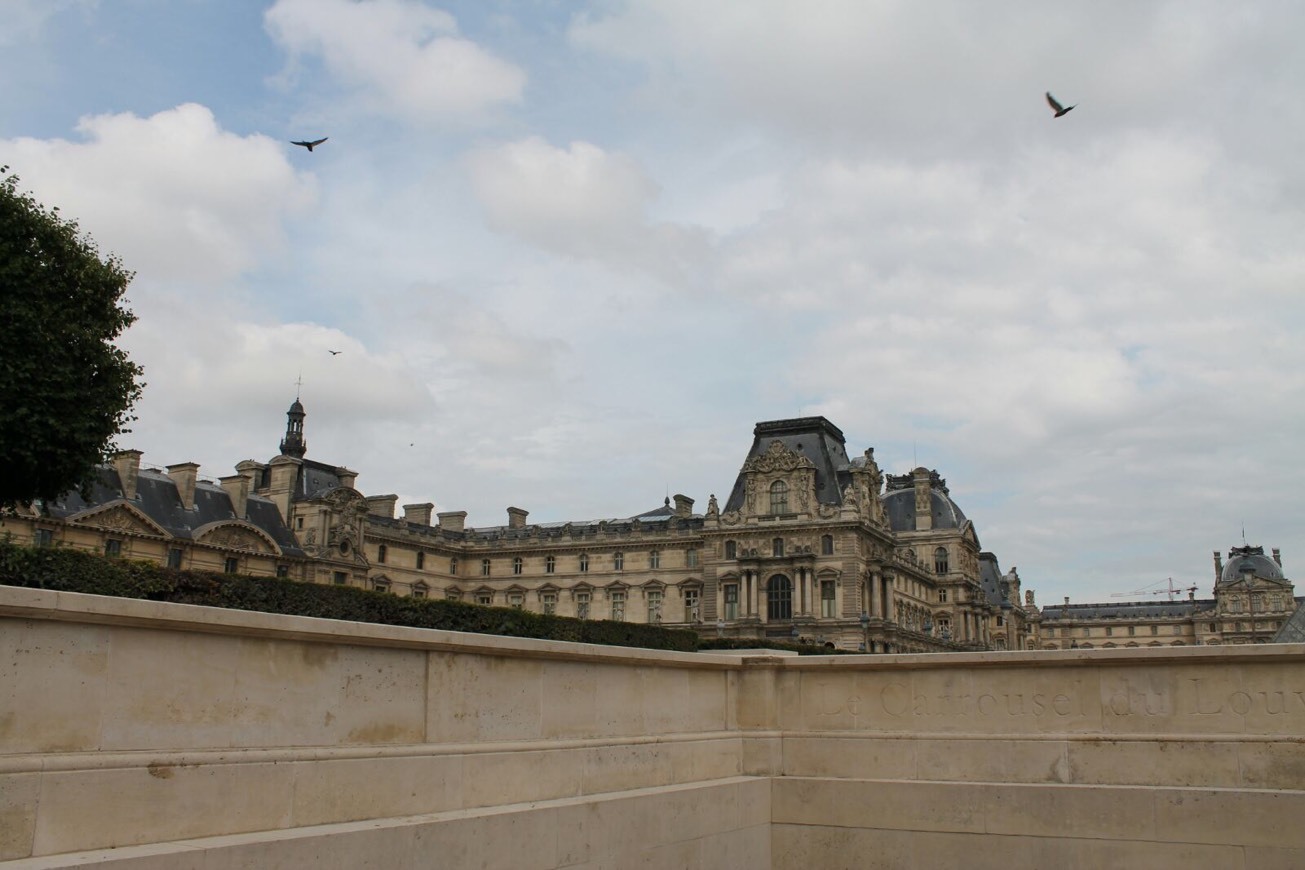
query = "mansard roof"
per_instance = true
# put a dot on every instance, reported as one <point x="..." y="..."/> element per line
<point x="814" y="438"/>
<point x="1127" y="610"/>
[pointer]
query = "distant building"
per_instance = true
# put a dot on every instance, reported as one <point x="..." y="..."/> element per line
<point x="1252" y="602"/>
<point x="810" y="546"/>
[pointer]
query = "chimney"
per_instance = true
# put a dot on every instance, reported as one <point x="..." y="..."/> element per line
<point x="683" y="506"/>
<point x="418" y="513"/>
<point x="1067" y="601"/>
<point x="1218" y="567"/>
<point x="184" y="475"/>
<point x="517" y="518"/>
<point x="382" y="505"/>
<point x="452" y="521"/>
<point x="127" y="464"/>
<point x="237" y="489"/>
<point x="253" y="470"/>
<point x="348" y="477"/>
<point x="280" y="489"/>
<point x="923" y="500"/>
<point x="1277" y="556"/>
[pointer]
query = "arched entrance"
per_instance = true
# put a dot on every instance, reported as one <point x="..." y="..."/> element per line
<point x="779" y="598"/>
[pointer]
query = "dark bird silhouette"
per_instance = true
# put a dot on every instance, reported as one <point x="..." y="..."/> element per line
<point x="1056" y="106"/>
<point x="311" y="145"/>
<point x="334" y="352"/>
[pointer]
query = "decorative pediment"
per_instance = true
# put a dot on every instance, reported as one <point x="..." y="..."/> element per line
<point x="121" y="517"/>
<point x="776" y="459"/>
<point x="236" y="535"/>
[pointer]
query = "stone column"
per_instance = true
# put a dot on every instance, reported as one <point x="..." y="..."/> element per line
<point x="888" y="596"/>
<point x="876" y="591"/>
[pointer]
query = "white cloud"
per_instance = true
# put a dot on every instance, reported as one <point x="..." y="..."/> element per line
<point x="174" y="195"/>
<point x="400" y="56"/>
<point x="584" y="202"/>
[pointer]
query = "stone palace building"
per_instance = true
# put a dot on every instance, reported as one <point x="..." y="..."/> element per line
<point x="810" y="546"/>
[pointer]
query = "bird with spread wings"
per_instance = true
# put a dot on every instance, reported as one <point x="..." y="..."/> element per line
<point x="1056" y="106"/>
<point x="311" y="145"/>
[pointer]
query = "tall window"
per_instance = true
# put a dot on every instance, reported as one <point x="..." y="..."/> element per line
<point x="692" y="612"/>
<point x="618" y="561"/>
<point x="339" y="578"/>
<point x="654" y="606"/>
<point x="732" y="601"/>
<point x="827" y="545"/>
<point x="827" y="599"/>
<point x="942" y="595"/>
<point x="550" y="564"/>
<point x="779" y="497"/>
<point x="45" y="537"/>
<point x="618" y="604"/>
<point x="582" y="604"/>
<point x="777" y="547"/>
<point x="691" y="558"/>
<point x="112" y="548"/>
<point x="381" y="552"/>
<point x="779" y="598"/>
<point x="231" y="565"/>
<point x="516" y="565"/>
<point x="174" y="558"/>
<point x="549" y="600"/>
<point x="283" y="570"/>
<point x="940" y="560"/>
<point x="484" y="567"/>
<point x="584" y="563"/>
<point x="731" y="550"/>
<point x="654" y="558"/>
<point x="453" y="566"/>
<point x="421" y="561"/>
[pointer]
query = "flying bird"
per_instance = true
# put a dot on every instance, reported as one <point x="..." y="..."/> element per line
<point x="333" y="352"/>
<point x="1055" y="105"/>
<point x="311" y="145"/>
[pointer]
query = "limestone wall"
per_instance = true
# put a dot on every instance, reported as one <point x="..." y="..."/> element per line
<point x="143" y="734"/>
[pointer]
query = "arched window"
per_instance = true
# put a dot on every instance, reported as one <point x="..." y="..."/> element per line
<point x="779" y="598"/>
<point x="731" y="550"/>
<point x="381" y="552"/>
<point x="940" y="560"/>
<point x="779" y="497"/>
<point x="827" y="545"/>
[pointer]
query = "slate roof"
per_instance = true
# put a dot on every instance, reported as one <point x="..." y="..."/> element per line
<point x="813" y="437"/>
<point x="899" y="504"/>
<point x="990" y="578"/>
<point x="1127" y="610"/>
<point x="157" y="498"/>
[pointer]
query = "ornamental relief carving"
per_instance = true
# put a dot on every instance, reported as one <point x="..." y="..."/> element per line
<point x="235" y="538"/>
<point x="121" y="520"/>
<point x="777" y="458"/>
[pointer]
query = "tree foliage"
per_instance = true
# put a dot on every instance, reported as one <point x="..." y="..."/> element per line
<point x="66" y="390"/>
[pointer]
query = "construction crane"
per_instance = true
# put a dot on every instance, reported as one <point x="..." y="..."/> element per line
<point x="1171" y="590"/>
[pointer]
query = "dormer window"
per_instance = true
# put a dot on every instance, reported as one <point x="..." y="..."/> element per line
<point x="779" y="497"/>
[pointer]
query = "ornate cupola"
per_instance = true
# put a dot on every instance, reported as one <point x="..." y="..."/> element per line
<point x="293" y="443"/>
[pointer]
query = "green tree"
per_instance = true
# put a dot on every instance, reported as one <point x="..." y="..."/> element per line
<point x="66" y="390"/>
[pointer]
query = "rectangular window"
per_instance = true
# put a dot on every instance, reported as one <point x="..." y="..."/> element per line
<point x="1087" y="632"/>
<point x="692" y="613"/>
<point x="618" y="561"/>
<point x="942" y="595"/>
<point x="777" y="547"/>
<point x="618" y="605"/>
<point x="339" y="578"/>
<point x="1155" y="629"/>
<point x="484" y="567"/>
<point x="517" y="600"/>
<point x="299" y="523"/>
<point x="452" y="594"/>
<point x="584" y="563"/>
<point x="381" y="585"/>
<point x="485" y="598"/>
<point x="654" y="559"/>
<point x="421" y="561"/>
<point x="231" y="565"/>
<point x="582" y="605"/>
<point x="654" y="606"/>
<point x="732" y="601"/>
<point x="549" y="600"/>
<point x="1109" y="631"/>
<point x="827" y="599"/>
<point x="691" y="558"/>
<point x="550" y="565"/>
<point x="43" y="538"/>
<point x="1051" y="632"/>
<point x="112" y="548"/>
<point x="283" y="570"/>
<point x="1132" y="630"/>
<point x="516" y="565"/>
<point x="174" y="559"/>
<point x="827" y="545"/>
<point x="419" y="591"/>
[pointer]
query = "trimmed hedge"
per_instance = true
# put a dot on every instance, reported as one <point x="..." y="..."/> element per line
<point x="68" y="570"/>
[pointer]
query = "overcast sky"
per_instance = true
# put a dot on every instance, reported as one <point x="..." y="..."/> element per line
<point x="571" y="253"/>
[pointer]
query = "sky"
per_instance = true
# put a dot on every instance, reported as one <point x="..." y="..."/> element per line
<point x="571" y="253"/>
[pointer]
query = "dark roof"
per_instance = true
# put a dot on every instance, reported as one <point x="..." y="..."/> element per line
<point x="316" y="479"/>
<point x="813" y="437"/>
<point x="899" y="504"/>
<point x="1249" y="560"/>
<point x="1128" y="610"/>
<point x="990" y="579"/>
<point x="158" y="499"/>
